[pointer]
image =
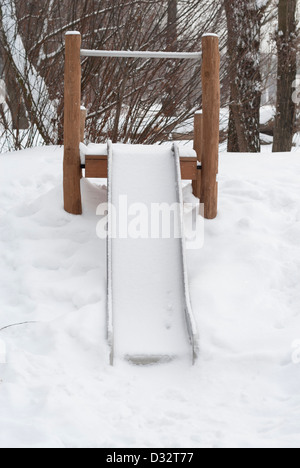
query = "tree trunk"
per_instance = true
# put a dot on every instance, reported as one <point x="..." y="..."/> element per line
<point x="169" y="104"/>
<point x="14" y="97"/>
<point x="15" y="101"/>
<point x="232" y="143"/>
<point x="172" y="26"/>
<point x="244" y="27"/>
<point x="286" y="75"/>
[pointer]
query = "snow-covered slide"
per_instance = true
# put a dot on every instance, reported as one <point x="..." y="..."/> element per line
<point x="150" y="318"/>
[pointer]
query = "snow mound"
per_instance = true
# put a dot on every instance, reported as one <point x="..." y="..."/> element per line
<point x="56" y="389"/>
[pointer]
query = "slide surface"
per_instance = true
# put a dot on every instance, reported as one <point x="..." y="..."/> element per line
<point x="149" y="313"/>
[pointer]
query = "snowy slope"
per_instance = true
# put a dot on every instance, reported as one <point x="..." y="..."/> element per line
<point x="56" y="389"/>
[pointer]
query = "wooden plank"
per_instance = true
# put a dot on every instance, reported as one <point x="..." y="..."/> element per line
<point x="211" y="119"/>
<point x="144" y="54"/>
<point x="72" y="170"/>
<point x="198" y="141"/>
<point x="96" y="167"/>
<point x="83" y="115"/>
<point x="184" y="159"/>
<point x="188" y="169"/>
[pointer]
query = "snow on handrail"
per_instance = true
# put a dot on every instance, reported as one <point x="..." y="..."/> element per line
<point x="109" y="298"/>
<point x="141" y="54"/>
<point x="190" y="319"/>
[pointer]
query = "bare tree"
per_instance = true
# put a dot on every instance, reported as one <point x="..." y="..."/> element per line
<point x="23" y="80"/>
<point x="126" y="99"/>
<point x="244" y="28"/>
<point x="286" y="39"/>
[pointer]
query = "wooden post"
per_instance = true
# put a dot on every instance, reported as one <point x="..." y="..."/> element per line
<point x="72" y="171"/>
<point x="211" y="122"/>
<point x="198" y="142"/>
<point x="83" y="114"/>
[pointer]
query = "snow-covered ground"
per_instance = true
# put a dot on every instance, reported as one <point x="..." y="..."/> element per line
<point x="56" y="389"/>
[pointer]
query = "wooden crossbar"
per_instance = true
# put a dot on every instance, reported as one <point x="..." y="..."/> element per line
<point x="141" y="54"/>
<point x="96" y="167"/>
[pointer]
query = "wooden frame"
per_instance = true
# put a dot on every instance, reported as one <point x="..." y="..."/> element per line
<point x="206" y="132"/>
<point x="96" y="167"/>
